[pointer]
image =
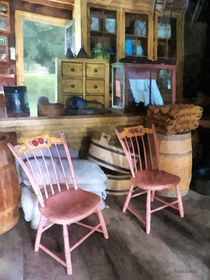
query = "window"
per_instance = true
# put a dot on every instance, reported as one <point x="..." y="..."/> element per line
<point x="42" y="88"/>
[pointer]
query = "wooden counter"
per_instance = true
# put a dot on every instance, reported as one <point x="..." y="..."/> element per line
<point x="78" y="129"/>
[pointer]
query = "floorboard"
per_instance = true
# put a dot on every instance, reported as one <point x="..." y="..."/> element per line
<point x="176" y="249"/>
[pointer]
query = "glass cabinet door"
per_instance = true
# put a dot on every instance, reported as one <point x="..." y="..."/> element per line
<point x="166" y="37"/>
<point x="136" y="34"/>
<point x="103" y="34"/>
<point x="164" y="83"/>
<point x="118" y="86"/>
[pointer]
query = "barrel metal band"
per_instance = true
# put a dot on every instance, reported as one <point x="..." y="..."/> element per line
<point x="108" y="149"/>
<point x="176" y="155"/>
<point x="107" y="163"/>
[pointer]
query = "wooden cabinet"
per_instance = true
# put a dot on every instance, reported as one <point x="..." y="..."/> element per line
<point x="146" y="83"/>
<point x="86" y="78"/>
<point x="139" y="22"/>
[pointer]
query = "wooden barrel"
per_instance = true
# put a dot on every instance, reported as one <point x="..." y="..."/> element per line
<point x="176" y="158"/>
<point x="9" y="188"/>
<point x="108" y="156"/>
<point x="118" y="184"/>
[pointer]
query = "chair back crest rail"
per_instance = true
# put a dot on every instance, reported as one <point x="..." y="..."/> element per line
<point x="47" y="163"/>
<point x="140" y="145"/>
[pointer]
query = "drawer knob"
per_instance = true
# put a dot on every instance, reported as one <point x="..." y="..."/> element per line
<point x="72" y="86"/>
<point x="95" y="70"/>
<point x="95" y="86"/>
<point x="72" y="69"/>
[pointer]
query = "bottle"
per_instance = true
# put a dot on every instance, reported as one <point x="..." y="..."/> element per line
<point x="139" y="50"/>
<point x="98" y="53"/>
<point x="128" y="47"/>
<point x="16" y="102"/>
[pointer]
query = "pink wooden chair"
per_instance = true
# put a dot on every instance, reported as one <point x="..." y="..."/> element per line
<point x="141" y="148"/>
<point x="48" y="166"/>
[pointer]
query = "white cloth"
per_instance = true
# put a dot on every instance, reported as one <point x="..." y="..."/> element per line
<point x="141" y="91"/>
<point x="90" y="177"/>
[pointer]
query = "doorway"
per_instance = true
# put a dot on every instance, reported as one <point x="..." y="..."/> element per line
<point x="35" y="70"/>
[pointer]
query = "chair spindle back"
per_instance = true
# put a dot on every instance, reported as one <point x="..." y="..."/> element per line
<point x="140" y="146"/>
<point x="47" y="164"/>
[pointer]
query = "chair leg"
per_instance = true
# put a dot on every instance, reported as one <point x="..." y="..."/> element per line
<point x="67" y="249"/>
<point x="148" y="212"/>
<point x="153" y="196"/>
<point x="128" y="199"/>
<point x="103" y="224"/>
<point x="179" y="198"/>
<point x="39" y="234"/>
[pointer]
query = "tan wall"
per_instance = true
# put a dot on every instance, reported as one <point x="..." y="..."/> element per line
<point x="127" y="4"/>
<point x="78" y="129"/>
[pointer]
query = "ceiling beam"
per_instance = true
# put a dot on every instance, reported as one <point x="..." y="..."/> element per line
<point x="60" y="4"/>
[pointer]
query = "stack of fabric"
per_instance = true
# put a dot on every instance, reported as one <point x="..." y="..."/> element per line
<point x="174" y="118"/>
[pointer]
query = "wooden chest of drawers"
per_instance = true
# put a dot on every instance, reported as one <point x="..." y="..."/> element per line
<point x="86" y="78"/>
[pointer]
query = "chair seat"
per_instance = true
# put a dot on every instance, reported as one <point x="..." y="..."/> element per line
<point x="154" y="179"/>
<point x="70" y="206"/>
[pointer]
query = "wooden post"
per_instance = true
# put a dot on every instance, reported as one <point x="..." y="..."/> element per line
<point x="80" y="17"/>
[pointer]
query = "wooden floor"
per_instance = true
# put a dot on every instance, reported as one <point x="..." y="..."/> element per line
<point x="176" y="249"/>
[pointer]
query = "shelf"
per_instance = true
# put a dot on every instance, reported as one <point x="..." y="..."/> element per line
<point x="11" y="76"/>
<point x="102" y="34"/>
<point x="135" y="36"/>
<point x="3" y="14"/>
<point x="135" y="56"/>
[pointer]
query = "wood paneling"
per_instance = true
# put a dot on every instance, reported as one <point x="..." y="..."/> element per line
<point x="129" y="4"/>
<point x="60" y="4"/>
<point x="78" y="129"/>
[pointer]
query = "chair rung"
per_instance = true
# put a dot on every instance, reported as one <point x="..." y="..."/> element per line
<point x="93" y="229"/>
<point x="137" y="194"/>
<point x="164" y="206"/>
<point x="47" y="227"/>
<point x="85" y="237"/>
<point x="52" y="255"/>
<point x="89" y="226"/>
<point x="137" y="215"/>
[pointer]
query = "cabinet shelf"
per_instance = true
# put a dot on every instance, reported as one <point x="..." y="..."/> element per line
<point x="3" y="14"/>
<point x="102" y="34"/>
<point x="135" y="36"/>
<point x="12" y="76"/>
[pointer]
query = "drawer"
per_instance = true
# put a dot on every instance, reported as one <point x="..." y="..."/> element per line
<point x="72" y="86"/>
<point x="97" y="98"/>
<point x="71" y="69"/>
<point x="95" y="70"/>
<point x="94" y="87"/>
